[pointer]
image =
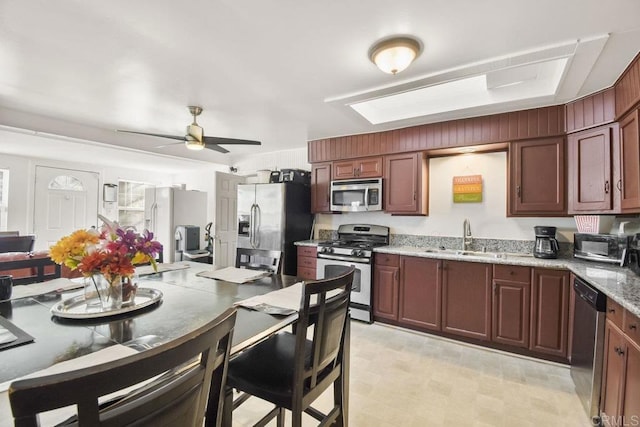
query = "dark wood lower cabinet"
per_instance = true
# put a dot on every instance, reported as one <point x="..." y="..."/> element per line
<point x="620" y="397"/>
<point x="549" y="312"/>
<point x="466" y="299"/>
<point x="420" y="289"/>
<point x="513" y="308"/>
<point x="385" y="292"/>
<point x="511" y="313"/>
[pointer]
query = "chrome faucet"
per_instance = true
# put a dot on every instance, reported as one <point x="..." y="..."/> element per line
<point x="467" y="238"/>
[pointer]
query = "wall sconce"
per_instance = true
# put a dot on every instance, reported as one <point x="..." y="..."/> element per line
<point x="395" y="54"/>
<point x="110" y="193"/>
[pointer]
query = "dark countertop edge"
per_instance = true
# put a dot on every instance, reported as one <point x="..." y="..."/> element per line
<point x="617" y="283"/>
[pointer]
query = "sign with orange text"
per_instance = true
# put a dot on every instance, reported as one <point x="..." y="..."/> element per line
<point x="467" y="189"/>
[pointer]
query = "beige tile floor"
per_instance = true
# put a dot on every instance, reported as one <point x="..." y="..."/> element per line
<point x="403" y="378"/>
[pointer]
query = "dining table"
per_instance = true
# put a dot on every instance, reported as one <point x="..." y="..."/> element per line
<point x="188" y="302"/>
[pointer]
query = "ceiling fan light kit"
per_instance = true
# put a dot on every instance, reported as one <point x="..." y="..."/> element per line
<point x="393" y="55"/>
<point x="195" y="139"/>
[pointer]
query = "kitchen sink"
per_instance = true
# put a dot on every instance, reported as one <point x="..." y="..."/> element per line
<point x="460" y="252"/>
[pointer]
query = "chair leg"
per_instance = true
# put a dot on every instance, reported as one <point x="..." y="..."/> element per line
<point x="227" y="408"/>
<point x="280" y="420"/>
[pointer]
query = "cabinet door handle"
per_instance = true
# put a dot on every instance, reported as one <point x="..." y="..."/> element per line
<point x="414" y="195"/>
<point x="395" y="275"/>
<point x="518" y="191"/>
<point x="633" y="327"/>
<point x="495" y="288"/>
<point x="619" y="185"/>
<point x="606" y="187"/>
<point x="611" y="310"/>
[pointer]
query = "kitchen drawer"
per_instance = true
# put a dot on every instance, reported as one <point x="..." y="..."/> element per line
<point x="614" y="312"/>
<point x="309" y="251"/>
<point x="512" y="273"/>
<point x="632" y="326"/>
<point x="307" y="262"/>
<point x="390" y="260"/>
<point x="306" y="273"/>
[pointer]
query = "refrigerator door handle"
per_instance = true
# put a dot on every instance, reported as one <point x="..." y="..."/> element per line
<point x="251" y="223"/>
<point x="154" y="217"/>
<point x="257" y="227"/>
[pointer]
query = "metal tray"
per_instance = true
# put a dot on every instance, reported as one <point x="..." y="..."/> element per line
<point x="76" y="307"/>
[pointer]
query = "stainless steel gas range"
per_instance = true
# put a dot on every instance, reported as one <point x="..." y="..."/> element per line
<point x="354" y="247"/>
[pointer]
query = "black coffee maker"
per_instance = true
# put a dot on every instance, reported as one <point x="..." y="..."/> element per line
<point x="546" y="244"/>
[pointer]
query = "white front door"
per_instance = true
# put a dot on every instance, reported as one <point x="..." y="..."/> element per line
<point x="226" y="222"/>
<point x="65" y="200"/>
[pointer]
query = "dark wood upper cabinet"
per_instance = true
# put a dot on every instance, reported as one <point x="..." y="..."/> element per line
<point x="320" y="188"/>
<point x="466" y="299"/>
<point x="406" y="184"/>
<point x="368" y="167"/>
<point x="537" y="178"/>
<point x="549" y="312"/>
<point x="630" y="163"/>
<point x="420" y="292"/>
<point x="592" y="186"/>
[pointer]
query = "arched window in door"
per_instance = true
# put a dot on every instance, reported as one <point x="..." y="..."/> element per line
<point x="66" y="182"/>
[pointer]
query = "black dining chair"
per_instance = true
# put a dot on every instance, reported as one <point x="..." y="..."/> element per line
<point x="188" y="377"/>
<point x="290" y="370"/>
<point x="259" y="259"/>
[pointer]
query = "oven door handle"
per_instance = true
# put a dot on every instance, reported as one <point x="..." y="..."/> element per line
<point x="345" y="259"/>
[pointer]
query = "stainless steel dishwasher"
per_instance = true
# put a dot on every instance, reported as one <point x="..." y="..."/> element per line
<point x="587" y="348"/>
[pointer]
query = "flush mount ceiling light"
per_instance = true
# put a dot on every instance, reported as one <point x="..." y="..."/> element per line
<point x="395" y="54"/>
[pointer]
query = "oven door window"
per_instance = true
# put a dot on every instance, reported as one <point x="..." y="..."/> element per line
<point x="348" y="198"/>
<point x="334" y="270"/>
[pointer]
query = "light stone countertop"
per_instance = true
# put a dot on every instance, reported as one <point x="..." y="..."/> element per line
<point x="618" y="283"/>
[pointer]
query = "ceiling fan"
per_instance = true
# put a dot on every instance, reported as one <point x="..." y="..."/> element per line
<point x="195" y="139"/>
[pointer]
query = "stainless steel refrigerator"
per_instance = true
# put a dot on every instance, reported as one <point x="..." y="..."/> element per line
<point x="273" y="217"/>
<point x="166" y="208"/>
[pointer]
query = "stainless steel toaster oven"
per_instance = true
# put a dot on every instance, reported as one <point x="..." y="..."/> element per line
<point x="610" y="248"/>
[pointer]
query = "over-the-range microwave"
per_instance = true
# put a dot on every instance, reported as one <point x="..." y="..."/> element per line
<point x="356" y="195"/>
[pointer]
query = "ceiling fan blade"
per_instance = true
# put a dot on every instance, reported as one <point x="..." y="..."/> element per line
<point x="229" y="141"/>
<point x="216" y="148"/>
<point x="159" y="135"/>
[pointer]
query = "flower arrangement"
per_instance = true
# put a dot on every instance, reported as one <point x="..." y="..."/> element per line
<point x="111" y="252"/>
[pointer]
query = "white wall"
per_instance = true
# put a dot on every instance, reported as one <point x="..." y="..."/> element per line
<point x="112" y="165"/>
<point x="488" y="218"/>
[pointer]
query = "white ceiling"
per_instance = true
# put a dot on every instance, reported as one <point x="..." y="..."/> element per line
<point x="277" y="71"/>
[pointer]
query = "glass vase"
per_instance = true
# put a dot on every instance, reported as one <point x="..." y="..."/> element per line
<point x="101" y="294"/>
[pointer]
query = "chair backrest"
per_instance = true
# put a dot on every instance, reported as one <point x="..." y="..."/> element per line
<point x="9" y="234"/>
<point x="259" y="259"/>
<point x="325" y="307"/>
<point x="192" y="378"/>
<point x="17" y="243"/>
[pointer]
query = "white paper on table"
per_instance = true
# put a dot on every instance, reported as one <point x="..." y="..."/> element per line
<point x="286" y="299"/>
<point x="6" y="336"/>
<point x="108" y="354"/>
<point x="234" y="274"/>
<point x="56" y="285"/>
